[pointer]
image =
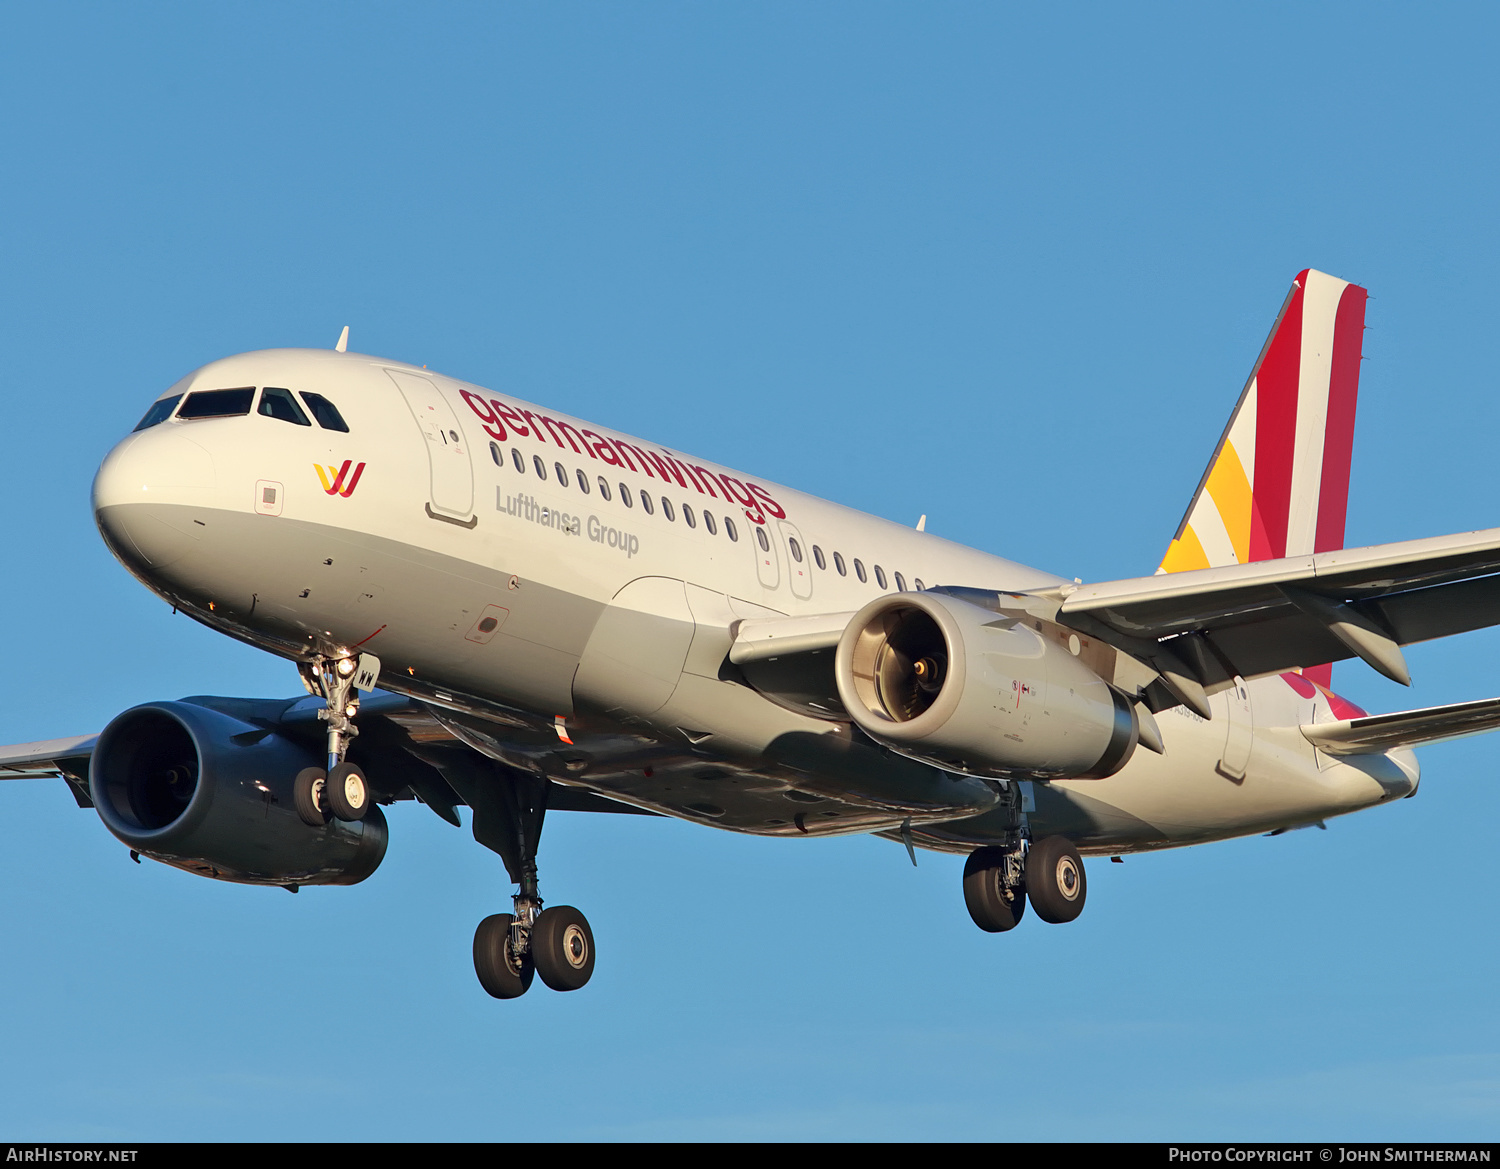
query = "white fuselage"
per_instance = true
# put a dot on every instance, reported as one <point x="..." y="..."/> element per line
<point x="448" y="533"/>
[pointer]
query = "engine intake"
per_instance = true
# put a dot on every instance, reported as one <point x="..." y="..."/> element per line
<point x="198" y="789"/>
<point x="979" y="692"/>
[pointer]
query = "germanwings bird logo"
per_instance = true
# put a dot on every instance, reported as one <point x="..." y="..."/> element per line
<point x="340" y="481"/>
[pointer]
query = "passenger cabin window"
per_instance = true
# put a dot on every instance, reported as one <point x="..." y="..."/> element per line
<point x="218" y="403"/>
<point x="838" y="563"/>
<point x="760" y="538"/>
<point x="859" y="570"/>
<point x="541" y="467"/>
<point x="625" y="495"/>
<point x="919" y="584"/>
<point x="900" y="583"/>
<point x="880" y="576"/>
<point x="730" y="530"/>
<point x="687" y="515"/>
<point x="280" y="404"/>
<point x="796" y="549"/>
<point x="604" y="488"/>
<point x="497" y="454"/>
<point x="818" y="558"/>
<point x="325" y="412"/>
<point x="646" y="503"/>
<point x="708" y="522"/>
<point x="583" y="482"/>
<point x="562" y="475"/>
<point x="666" y="508"/>
<point x="518" y="460"/>
<point x="159" y="412"/>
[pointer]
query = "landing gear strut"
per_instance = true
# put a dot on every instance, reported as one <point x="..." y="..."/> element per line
<point x="1000" y="878"/>
<point x="339" y="789"/>
<point x="556" y="943"/>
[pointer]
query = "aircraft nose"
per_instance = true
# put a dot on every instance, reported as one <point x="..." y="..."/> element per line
<point x="142" y="491"/>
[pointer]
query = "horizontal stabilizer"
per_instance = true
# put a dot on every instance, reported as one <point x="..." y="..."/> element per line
<point x="1407" y="728"/>
<point x="1270" y="616"/>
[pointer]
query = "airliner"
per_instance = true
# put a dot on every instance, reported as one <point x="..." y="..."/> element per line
<point x="497" y="606"/>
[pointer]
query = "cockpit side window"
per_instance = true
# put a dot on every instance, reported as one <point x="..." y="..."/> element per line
<point x="325" y="412"/>
<point x="218" y="403"/>
<point x="159" y="412"/>
<point x="277" y="403"/>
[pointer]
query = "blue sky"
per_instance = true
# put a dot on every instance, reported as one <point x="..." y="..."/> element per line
<point x="1007" y="266"/>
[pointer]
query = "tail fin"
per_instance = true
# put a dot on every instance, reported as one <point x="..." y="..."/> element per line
<point x="1278" y="482"/>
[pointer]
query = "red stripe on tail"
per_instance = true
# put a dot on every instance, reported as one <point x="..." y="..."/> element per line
<point x="1338" y="439"/>
<point x="1276" y="431"/>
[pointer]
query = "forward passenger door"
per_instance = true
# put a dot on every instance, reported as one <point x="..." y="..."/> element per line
<point x="451" y="473"/>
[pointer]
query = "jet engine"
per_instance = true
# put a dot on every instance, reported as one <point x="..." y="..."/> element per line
<point x="198" y="789"/>
<point x="979" y="692"/>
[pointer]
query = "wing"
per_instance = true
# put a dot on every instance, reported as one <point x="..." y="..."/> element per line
<point x="413" y="747"/>
<point x="40" y="760"/>
<point x="1200" y="629"/>
<point x="1407" y="728"/>
<point x="52" y="758"/>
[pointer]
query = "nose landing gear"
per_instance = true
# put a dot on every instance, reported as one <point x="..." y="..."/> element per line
<point x="341" y="789"/>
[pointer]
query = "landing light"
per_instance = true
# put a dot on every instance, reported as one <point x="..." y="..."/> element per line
<point x="346" y="666"/>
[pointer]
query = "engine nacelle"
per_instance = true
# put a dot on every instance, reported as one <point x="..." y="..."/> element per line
<point x="979" y="692"/>
<point x="197" y="789"/>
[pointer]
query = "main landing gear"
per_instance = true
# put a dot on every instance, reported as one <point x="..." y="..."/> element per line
<point x="998" y="880"/>
<point x="339" y="789"/>
<point x="509" y="948"/>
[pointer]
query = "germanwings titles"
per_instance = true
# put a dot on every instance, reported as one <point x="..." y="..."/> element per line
<point x="497" y="606"/>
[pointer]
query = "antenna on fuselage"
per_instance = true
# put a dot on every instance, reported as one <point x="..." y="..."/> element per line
<point x="343" y="345"/>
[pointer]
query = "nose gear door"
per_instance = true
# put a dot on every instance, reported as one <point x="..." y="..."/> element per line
<point x="452" y="475"/>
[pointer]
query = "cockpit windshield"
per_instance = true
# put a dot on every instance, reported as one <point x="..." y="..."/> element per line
<point x="325" y="412"/>
<point x="159" y="412"/>
<point x="217" y="403"/>
<point x="276" y="403"/>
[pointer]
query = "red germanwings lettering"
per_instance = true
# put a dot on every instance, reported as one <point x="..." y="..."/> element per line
<point x="495" y="417"/>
